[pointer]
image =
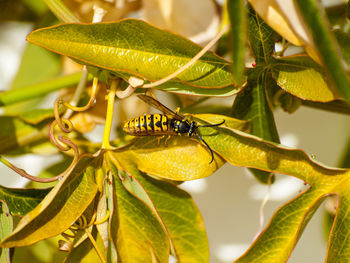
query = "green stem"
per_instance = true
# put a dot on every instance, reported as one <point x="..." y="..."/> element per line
<point x="39" y="90"/>
<point x="326" y="45"/>
<point x="61" y="11"/>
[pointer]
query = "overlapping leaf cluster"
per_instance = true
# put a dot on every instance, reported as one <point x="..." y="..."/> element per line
<point x="141" y="218"/>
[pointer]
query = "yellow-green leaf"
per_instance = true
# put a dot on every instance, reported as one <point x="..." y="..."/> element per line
<point x="6" y="226"/>
<point x="181" y="218"/>
<point x="15" y="133"/>
<point x="286" y="226"/>
<point x="22" y="201"/>
<point x="302" y="77"/>
<point x="179" y="158"/>
<point x="86" y="252"/>
<point x="59" y="209"/>
<point x="135" y="231"/>
<point x="132" y="47"/>
<point x="275" y="244"/>
<point x="175" y="157"/>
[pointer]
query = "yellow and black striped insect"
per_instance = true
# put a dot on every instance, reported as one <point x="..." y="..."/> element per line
<point x="169" y="123"/>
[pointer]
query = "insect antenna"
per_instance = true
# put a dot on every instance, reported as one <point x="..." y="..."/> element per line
<point x="212" y="125"/>
<point x="200" y="138"/>
<point x="211" y="151"/>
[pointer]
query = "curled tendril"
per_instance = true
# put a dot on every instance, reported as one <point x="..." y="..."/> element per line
<point x="81" y="224"/>
<point x="24" y="174"/>
<point x="61" y="142"/>
<point x="67" y="244"/>
<point x="64" y="124"/>
<point x="62" y="145"/>
<point x="91" y="101"/>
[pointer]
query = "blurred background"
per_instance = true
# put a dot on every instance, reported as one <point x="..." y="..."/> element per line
<point x="230" y="199"/>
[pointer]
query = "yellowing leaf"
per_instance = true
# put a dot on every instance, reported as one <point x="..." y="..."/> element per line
<point x="179" y="158"/>
<point x="181" y="218"/>
<point x="86" y="252"/>
<point x="6" y="226"/>
<point x="175" y="157"/>
<point x="135" y="231"/>
<point x="59" y="209"/>
<point x="302" y="77"/>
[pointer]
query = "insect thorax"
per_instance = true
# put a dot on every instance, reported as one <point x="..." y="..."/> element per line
<point x="182" y="127"/>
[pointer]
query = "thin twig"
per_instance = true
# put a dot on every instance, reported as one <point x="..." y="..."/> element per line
<point x="262" y="206"/>
<point x="95" y="246"/>
<point x="131" y="88"/>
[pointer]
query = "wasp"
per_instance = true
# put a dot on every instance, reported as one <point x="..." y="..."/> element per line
<point x="169" y="123"/>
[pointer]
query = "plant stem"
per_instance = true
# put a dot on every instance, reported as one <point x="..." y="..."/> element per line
<point x="77" y="93"/>
<point x="99" y="253"/>
<point x="61" y="11"/>
<point x="109" y="114"/>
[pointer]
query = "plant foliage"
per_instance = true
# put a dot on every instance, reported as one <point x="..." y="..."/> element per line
<point x="119" y="199"/>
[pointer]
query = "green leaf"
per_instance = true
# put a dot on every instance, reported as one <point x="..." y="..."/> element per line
<point x="289" y="221"/>
<point x="345" y="158"/>
<point x="38" y="7"/>
<point x="183" y="88"/>
<point x="326" y="45"/>
<point x="242" y="149"/>
<point x="35" y="116"/>
<point x="15" y="133"/>
<point x="328" y="219"/>
<point x="142" y="50"/>
<point x="337" y="106"/>
<point x="6" y="227"/>
<point x="37" y="65"/>
<point x="44" y="251"/>
<point x="22" y="201"/>
<point x="339" y="243"/>
<point x="252" y="104"/>
<point x="343" y="41"/>
<point x="303" y="78"/>
<point x="278" y="239"/>
<point x="237" y="14"/>
<point x="177" y="212"/>
<point x="261" y="38"/>
<point x="288" y="102"/>
<point x="181" y="218"/>
<point x="60" y="208"/>
<point x="135" y="231"/>
<point x="38" y="90"/>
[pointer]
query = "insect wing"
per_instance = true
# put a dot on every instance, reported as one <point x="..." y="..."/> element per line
<point x="156" y="104"/>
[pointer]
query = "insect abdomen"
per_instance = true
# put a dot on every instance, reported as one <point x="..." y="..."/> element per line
<point x="148" y="124"/>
